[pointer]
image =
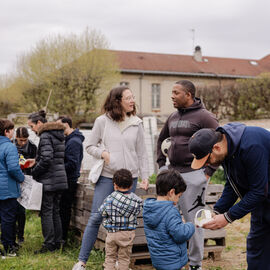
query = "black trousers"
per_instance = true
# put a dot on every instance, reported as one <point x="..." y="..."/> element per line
<point x="258" y="240"/>
<point x="67" y="200"/>
<point x="50" y="219"/>
<point x="8" y="211"/>
<point x="20" y="219"/>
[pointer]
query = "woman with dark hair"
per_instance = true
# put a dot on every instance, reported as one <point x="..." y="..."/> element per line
<point x="49" y="169"/>
<point x="26" y="150"/>
<point x="10" y="177"/>
<point x="124" y="149"/>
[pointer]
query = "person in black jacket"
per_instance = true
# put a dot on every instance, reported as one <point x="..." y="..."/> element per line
<point x="49" y="169"/>
<point x="73" y="160"/>
<point x="28" y="150"/>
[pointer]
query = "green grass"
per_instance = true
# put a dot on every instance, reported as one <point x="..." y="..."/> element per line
<point x="218" y="177"/>
<point x="59" y="260"/>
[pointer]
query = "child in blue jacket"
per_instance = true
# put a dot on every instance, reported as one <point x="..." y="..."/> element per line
<point x="165" y="232"/>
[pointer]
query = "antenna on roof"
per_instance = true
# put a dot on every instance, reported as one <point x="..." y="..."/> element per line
<point x="193" y="38"/>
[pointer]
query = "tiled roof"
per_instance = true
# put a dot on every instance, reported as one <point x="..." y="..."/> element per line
<point x="130" y="61"/>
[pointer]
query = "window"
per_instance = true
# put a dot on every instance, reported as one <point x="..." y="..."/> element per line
<point x="155" y="96"/>
<point x="124" y="84"/>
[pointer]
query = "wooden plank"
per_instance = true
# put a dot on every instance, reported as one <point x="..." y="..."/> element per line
<point x="214" y="233"/>
<point x="214" y="188"/>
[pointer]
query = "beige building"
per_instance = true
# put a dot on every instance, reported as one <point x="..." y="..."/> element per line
<point x="151" y="75"/>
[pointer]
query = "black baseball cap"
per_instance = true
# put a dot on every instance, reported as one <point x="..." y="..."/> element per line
<point x="201" y="144"/>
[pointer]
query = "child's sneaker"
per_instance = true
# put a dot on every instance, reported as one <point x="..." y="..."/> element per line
<point x="78" y="266"/>
<point x="196" y="267"/>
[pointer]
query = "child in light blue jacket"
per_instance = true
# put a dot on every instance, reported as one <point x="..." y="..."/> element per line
<point x="165" y="232"/>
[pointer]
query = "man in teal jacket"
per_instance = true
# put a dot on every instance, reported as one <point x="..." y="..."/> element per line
<point x="10" y="177"/>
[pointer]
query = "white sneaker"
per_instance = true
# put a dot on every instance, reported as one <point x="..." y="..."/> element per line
<point x="197" y="267"/>
<point x="78" y="266"/>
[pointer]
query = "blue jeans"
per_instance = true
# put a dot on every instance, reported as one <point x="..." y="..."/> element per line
<point x="104" y="188"/>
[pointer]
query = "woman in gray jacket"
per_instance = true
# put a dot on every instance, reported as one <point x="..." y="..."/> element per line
<point x="124" y="148"/>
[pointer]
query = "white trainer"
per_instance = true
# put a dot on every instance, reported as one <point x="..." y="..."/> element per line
<point x="78" y="266"/>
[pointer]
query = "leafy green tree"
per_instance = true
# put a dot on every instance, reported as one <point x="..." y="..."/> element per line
<point x="254" y="97"/>
<point x="75" y="69"/>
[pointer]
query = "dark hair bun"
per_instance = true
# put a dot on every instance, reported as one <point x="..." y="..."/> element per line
<point x="42" y="113"/>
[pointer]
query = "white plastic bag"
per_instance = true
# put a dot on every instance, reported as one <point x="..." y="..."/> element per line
<point x="31" y="193"/>
<point x="98" y="163"/>
<point x="96" y="170"/>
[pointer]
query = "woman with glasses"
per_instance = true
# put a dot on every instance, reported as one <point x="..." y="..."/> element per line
<point x="124" y="149"/>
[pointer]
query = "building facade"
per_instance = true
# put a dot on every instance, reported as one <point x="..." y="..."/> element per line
<point x="151" y="75"/>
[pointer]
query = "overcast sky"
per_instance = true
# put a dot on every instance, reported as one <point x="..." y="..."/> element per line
<point x="223" y="28"/>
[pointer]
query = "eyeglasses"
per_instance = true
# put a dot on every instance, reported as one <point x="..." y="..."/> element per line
<point x="129" y="98"/>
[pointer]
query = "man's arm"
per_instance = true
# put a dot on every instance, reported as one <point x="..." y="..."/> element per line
<point x="72" y="156"/>
<point x="164" y="134"/>
<point x="255" y="160"/>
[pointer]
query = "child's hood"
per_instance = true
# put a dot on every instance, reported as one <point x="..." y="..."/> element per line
<point x="154" y="211"/>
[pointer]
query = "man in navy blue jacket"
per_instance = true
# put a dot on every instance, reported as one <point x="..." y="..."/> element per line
<point x="244" y="153"/>
<point x="73" y="160"/>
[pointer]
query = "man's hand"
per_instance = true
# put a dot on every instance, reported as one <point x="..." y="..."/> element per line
<point x="207" y="177"/>
<point x="218" y="222"/>
<point x="144" y="184"/>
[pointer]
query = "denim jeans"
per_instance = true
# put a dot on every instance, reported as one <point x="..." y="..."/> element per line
<point x="104" y="188"/>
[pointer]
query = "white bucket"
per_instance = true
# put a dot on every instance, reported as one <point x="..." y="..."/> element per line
<point x="202" y="216"/>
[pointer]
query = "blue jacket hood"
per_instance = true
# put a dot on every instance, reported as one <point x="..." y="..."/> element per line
<point x="4" y="139"/>
<point x="75" y="133"/>
<point x="154" y="211"/>
<point x="234" y="132"/>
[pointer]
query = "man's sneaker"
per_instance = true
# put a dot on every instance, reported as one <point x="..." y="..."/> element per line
<point x="2" y="254"/>
<point x="78" y="266"/>
<point x="11" y="252"/>
<point x="44" y="249"/>
<point x="196" y="267"/>
<point x="20" y="241"/>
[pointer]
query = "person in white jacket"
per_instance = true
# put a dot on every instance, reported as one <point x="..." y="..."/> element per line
<point x="125" y="148"/>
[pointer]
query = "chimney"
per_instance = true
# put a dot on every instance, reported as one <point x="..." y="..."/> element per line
<point x="198" y="54"/>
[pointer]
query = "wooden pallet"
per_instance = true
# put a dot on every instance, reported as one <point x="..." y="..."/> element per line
<point x="214" y="243"/>
<point x="214" y="240"/>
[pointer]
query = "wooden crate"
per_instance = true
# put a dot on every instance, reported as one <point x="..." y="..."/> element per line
<point x="214" y="240"/>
